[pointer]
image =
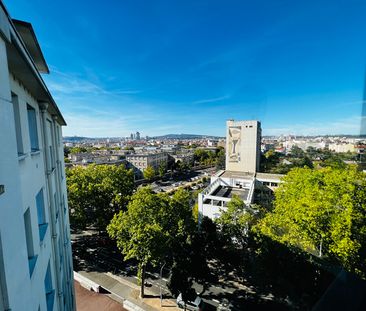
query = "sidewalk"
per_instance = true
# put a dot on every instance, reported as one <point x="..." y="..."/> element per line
<point x="87" y="300"/>
<point x="125" y="290"/>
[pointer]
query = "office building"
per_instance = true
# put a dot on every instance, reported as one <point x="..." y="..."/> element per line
<point x="36" y="270"/>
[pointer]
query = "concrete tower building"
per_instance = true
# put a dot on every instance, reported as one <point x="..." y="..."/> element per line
<point x="243" y="142"/>
<point x="241" y="177"/>
<point x="36" y="270"/>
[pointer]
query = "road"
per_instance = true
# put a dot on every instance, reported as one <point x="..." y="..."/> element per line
<point x="92" y="254"/>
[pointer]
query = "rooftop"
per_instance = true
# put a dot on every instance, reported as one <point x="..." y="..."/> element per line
<point x="228" y="192"/>
<point x="232" y="174"/>
<point x="268" y="176"/>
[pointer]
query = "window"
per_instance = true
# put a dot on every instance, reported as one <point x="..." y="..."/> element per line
<point x="48" y="287"/>
<point x="56" y="205"/>
<point x="42" y="225"/>
<point x="61" y="252"/>
<point x="50" y="145"/>
<point x="18" y="127"/>
<point x="32" y="258"/>
<point x="32" y="124"/>
<point x="58" y="135"/>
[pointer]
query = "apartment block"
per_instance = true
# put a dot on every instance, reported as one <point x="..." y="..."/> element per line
<point x="139" y="162"/>
<point x="36" y="270"/>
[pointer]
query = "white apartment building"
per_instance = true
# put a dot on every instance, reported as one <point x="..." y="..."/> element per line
<point x="243" y="142"/>
<point x="36" y="270"/>
<point x="342" y="148"/>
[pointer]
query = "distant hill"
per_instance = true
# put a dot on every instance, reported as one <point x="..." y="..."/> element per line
<point x="76" y="139"/>
<point x="184" y="136"/>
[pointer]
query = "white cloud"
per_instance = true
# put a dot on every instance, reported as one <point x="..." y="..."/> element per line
<point x="211" y="100"/>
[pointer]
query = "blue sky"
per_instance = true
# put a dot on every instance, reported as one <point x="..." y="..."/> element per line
<point x="187" y="66"/>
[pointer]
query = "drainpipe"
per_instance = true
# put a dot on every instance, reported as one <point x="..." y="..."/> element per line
<point x="48" y="172"/>
<point x="66" y="246"/>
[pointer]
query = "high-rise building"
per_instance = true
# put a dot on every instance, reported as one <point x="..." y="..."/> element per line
<point x="241" y="177"/>
<point x="138" y="135"/>
<point x="243" y="143"/>
<point x="36" y="270"/>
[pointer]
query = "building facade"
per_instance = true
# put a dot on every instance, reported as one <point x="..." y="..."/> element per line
<point x="243" y="143"/>
<point x="36" y="270"/>
<point x="241" y="177"/>
<point x="139" y="162"/>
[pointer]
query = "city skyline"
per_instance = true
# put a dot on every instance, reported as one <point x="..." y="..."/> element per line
<point x="187" y="68"/>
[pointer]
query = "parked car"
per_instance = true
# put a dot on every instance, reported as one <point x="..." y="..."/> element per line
<point x="225" y="305"/>
<point x="197" y="304"/>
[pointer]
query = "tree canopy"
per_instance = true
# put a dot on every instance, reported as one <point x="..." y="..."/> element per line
<point x="321" y="211"/>
<point x="149" y="173"/>
<point x="152" y="227"/>
<point x="96" y="193"/>
<point x="236" y="221"/>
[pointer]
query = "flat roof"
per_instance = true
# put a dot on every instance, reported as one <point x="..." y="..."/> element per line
<point x="228" y="192"/>
<point x="274" y="177"/>
<point x="233" y="174"/>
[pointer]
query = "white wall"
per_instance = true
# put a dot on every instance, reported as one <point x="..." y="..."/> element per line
<point x="23" y="177"/>
<point x="248" y="147"/>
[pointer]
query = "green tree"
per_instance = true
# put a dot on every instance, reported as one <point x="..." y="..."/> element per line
<point x="297" y="152"/>
<point x="201" y="155"/>
<point x="269" y="161"/>
<point x="152" y="228"/>
<point x="195" y="212"/>
<point x="236" y="221"/>
<point x="66" y="151"/>
<point x="162" y="169"/>
<point x="302" y="162"/>
<point x="129" y="148"/>
<point x="77" y="150"/>
<point x="321" y="211"/>
<point x="220" y="159"/>
<point x="334" y="161"/>
<point x="96" y="193"/>
<point x="149" y="173"/>
<point x="312" y="153"/>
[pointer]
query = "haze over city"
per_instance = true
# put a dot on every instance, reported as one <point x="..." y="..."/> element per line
<point x="186" y="67"/>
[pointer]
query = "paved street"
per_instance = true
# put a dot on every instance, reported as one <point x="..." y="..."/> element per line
<point x="93" y="255"/>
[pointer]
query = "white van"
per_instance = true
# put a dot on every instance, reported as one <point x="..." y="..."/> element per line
<point x="197" y="304"/>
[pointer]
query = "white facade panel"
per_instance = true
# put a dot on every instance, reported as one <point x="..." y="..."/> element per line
<point x="32" y="240"/>
<point x="243" y="140"/>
